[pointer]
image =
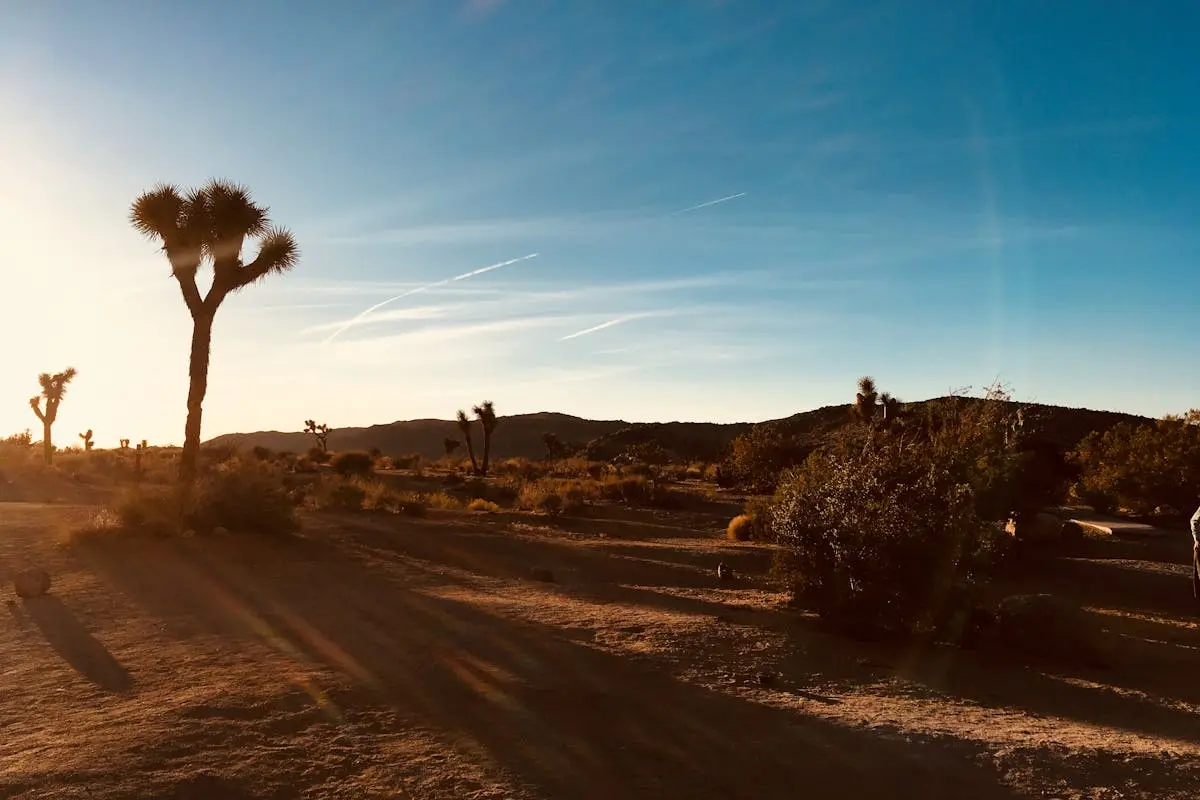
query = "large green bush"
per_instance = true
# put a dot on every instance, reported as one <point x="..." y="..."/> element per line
<point x="1142" y="467"/>
<point x="894" y="529"/>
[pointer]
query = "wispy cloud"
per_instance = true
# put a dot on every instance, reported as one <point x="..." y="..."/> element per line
<point x="709" y="203"/>
<point x="411" y="292"/>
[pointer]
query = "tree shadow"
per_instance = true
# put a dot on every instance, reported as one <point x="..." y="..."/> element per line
<point x="72" y="641"/>
<point x="564" y="719"/>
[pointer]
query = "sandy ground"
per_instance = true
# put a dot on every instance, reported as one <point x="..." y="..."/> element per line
<point x="381" y="657"/>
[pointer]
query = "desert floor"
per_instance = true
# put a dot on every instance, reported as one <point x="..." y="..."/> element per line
<point x="391" y="657"/>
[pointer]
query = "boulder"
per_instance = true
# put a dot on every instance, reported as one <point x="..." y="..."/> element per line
<point x="1045" y="625"/>
<point x="33" y="582"/>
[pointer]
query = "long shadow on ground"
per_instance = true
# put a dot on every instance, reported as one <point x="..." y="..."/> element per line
<point x="565" y="719"/>
<point x="72" y="641"/>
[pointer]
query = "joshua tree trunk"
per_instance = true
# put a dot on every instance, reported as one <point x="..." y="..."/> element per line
<point x="471" y="453"/>
<point x="47" y="445"/>
<point x="197" y="388"/>
<point x="487" y="449"/>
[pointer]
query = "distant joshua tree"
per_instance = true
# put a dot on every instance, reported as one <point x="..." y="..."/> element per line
<point x="890" y="406"/>
<point x="464" y="425"/>
<point x="864" y="400"/>
<point x="320" y="431"/>
<point x="488" y="419"/>
<point x="54" y="388"/>
<point x="124" y="444"/>
<point x="554" y="448"/>
<point x="209" y="225"/>
<point x="451" y="444"/>
<point x="87" y="440"/>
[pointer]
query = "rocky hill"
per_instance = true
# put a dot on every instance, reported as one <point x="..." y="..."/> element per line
<point x="521" y="435"/>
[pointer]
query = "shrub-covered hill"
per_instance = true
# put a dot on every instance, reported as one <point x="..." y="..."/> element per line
<point x="522" y="435"/>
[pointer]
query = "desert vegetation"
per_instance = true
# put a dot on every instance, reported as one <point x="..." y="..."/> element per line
<point x="54" y="389"/>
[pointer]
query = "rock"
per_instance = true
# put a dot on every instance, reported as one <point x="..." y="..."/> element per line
<point x="189" y="533"/>
<point x="1041" y="527"/>
<point x="220" y="530"/>
<point x="542" y="574"/>
<point x="33" y="582"/>
<point x="1044" y="625"/>
<point x="724" y="572"/>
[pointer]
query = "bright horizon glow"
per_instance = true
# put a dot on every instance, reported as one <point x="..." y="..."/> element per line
<point x="736" y="208"/>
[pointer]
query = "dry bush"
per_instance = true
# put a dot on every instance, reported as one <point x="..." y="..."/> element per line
<point x="695" y="471"/>
<point x="317" y="455"/>
<point x="479" y="504"/>
<point x="895" y="530"/>
<point x="638" y="490"/>
<point x="556" y="496"/>
<point x="385" y="462"/>
<point x="741" y="528"/>
<point x="441" y="500"/>
<point x="338" y="495"/>
<point x="238" y="495"/>
<point x="522" y="468"/>
<point x="1142" y="468"/>
<point x="355" y="462"/>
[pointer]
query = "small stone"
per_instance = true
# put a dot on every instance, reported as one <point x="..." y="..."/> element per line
<point x="724" y="572"/>
<point x="33" y="582"/>
<point x="220" y="530"/>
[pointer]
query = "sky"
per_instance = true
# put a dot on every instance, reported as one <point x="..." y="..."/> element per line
<point x="703" y="210"/>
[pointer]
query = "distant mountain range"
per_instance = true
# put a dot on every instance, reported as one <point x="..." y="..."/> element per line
<point x="522" y="435"/>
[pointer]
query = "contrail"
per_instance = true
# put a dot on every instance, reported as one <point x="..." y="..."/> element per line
<point x="709" y="203"/>
<point x="602" y="326"/>
<point x="351" y="323"/>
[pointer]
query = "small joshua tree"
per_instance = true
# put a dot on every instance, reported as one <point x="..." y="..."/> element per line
<point x="54" y="388"/>
<point x="890" y="406"/>
<point x="451" y="444"/>
<point x="124" y="444"/>
<point x="864" y="400"/>
<point x="87" y="440"/>
<point x="464" y="425"/>
<point x="488" y="419"/>
<point x="320" y="431"/>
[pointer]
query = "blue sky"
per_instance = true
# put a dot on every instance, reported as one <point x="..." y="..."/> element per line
<point x="937" y="194"/>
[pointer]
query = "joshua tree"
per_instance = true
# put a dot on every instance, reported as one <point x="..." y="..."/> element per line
<point x="124" y="444"/>
<point x="864" y="400"/>
<point x="554" y="448"/>
<point x="54" y="388"/>
<point x="487" y="418"/>
<point x="890" y="406"/>
<point x="451" y="444"/>
<point x="209" y="225"/>
<point x="464" y="425"/>
<point x="87" y="440"/>
<point x="320" y="431"/>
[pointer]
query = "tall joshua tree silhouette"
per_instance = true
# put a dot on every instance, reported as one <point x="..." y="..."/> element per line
<point x="488" y="420"/>
<point x="464" y="425"/>
<point x="54" y="388"/>
<point x="209" y="227"/>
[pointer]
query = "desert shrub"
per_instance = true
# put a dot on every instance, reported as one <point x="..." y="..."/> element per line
<point x="219" y="453"/>
<point x="522" y="468"/>
<point x="377" y="495"/>
<point x="1141" y="467"/>
<point x="354" y="462"/>
<point x="695" y="471"/>
<point x="638" y="490"/>
<point x="555" y="496"/>
<point x="339" y="495"/>
<point x="479" y="504"/>
<point x="453" y="479"/>
<point x="414" y="506"/>
<point x="441" y="500"/>
<point x="261" y="453"/>
<point x="638" y="468"/>
<point x="237" y="495"/>
<point x="317" y="456"/>
<point x="385" y="462"/>
<point x="757" y="458"/>
<point x="895" y="531"/>
<point x="741" y="528"/>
